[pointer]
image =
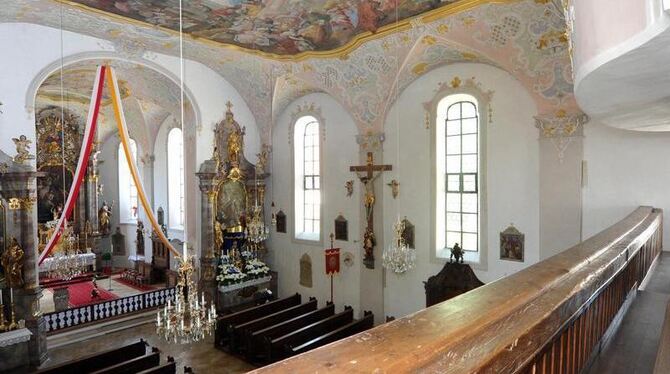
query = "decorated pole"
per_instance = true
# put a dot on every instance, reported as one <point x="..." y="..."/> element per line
<point x="332" y="263"/>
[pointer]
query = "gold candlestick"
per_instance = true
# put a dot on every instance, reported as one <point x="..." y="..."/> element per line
<point x="13" y="325"/>
<point x="3" y="325"/>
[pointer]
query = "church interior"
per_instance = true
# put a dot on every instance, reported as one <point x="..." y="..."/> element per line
<point x="227" y="186"/>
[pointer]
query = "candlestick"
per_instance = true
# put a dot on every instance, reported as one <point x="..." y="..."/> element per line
<point x="13" y="325"/>
<point x="3" y="325"/>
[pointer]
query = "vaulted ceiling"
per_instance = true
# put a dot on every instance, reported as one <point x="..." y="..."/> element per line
<point x="524" y="37"/>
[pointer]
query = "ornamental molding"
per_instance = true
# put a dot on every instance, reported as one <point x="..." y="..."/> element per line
<point x="561" y="128"/>
<point x="371" y="142"/>
<point x="457" y="86"/>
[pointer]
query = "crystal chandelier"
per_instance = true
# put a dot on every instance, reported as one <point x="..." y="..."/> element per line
<point x="257" y="232"/>
<point x="65" y="263"/>
<point x="398" y="257"/>
<point x="188" y="320"/>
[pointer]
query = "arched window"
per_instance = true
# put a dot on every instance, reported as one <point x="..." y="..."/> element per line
<point x="307" y="172"/>
<point x="458" y="175"/>
<point x="175" y="158"/>
<point x="128" y="203"/>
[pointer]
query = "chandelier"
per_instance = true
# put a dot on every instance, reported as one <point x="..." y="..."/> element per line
<point x="66" y="264"/>
<point x="256" y="231"/>
<point x="398" y="257"/>
<point x="188" y="320"/>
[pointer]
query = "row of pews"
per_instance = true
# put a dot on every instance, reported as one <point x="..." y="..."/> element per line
<point x="134" y="358"/>
<point x="285" y="327"/>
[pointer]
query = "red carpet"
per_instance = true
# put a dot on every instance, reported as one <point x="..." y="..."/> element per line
<point x="80" y="294"/>
<point x="140" y="287"/>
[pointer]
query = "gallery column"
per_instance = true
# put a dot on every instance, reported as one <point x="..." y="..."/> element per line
<point x="208" y="183"/>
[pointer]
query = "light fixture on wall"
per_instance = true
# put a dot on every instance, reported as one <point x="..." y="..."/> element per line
<point x="398" y="256"/>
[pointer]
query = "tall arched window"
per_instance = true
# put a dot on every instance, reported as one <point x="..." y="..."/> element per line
<point x="128" y="203"/>
<point x="458" y="175"/>
<point x="175" y="158"/>
<point x="307" y="172"/>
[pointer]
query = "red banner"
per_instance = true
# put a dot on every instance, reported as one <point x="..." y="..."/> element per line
<point x="85" y="153"/>
<point x="332" y="261"/>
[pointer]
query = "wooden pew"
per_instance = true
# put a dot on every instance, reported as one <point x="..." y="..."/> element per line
<point x="242" y="331"/>
<point x="224" y="323"/>
<point x="275" y="347"/>
<point x="134" y="365"/>
<point x="367" y="322"/>
<point x="259" y="338"/>
<point x="99" y="360"/>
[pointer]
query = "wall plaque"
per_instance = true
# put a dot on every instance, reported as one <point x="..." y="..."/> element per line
<point x="306" y="271"/>
<point x="341" y="228"/>
<point x="512" y="244"/>
<point x="281" y="222"/>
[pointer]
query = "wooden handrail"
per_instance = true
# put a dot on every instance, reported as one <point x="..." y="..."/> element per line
<point x="663" y="356"/>
<point x="548" y="316"/>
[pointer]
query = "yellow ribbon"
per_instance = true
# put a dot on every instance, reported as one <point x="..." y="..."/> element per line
<point x="125" y="140"/>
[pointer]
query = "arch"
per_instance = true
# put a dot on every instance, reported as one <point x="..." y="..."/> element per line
<point x="48" y="70"/>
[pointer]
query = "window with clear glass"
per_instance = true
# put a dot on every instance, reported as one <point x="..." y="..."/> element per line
<point x="128" y="200"/>
<point x="175" y="160"/>
<point x="307" y="165"/>
<point x="462" y="176"/>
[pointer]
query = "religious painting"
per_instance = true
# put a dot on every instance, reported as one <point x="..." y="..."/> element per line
<point x="52" y="193"/>
<point x="341" y="228"/>
<point x="275" y="26"/>
<point x="512" y="244"/>
<point x="281" y="222"/>
<point x="306" y="271"/>
<point x="231" y="204"/>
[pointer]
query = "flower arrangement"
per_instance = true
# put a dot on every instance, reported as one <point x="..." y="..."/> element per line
<point x="256" y="268"/>
<point x="230" y="274"/>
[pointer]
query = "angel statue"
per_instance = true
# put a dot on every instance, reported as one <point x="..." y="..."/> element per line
<point x="22" y="153"/>
<point x="12" y="262"/>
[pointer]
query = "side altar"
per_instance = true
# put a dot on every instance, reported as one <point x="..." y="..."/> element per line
<point x="233" y="229"/>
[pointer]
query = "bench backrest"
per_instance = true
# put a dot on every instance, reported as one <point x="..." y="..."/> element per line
<point x="295" y="323"/>
<point x="347" y="330"/>
<point x="258" y="311"/>
<point x="99" y="360"/>
<point x="280" y="316"/>
<point x="315" y="329"/>
<point x="167" y="368"/>
<point x="133" y="365"/>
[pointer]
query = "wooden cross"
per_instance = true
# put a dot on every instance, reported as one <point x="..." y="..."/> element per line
<point x="368" y="178"/>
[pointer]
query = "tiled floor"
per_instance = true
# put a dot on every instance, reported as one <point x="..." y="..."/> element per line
<point x="633" y="347"/>
<point x="201" y="356"/>
<point x="119" y="289"/>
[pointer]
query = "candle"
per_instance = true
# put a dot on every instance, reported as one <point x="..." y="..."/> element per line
<point x="11" y="296"/>
<point x="1" y="296"/>
<point x="158" y="319"/>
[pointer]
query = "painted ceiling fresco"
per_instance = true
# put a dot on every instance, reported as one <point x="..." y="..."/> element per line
<point x="526" y="38"/>
<point x="281" y="27"/>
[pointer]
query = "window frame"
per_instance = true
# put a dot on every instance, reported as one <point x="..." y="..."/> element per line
<point x="297" y="137"/>
<point x="125" y="212"/>
<point x="440" y="251"/>
<point x="171" y="226"/>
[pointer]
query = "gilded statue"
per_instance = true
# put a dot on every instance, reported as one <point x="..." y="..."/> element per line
<point x="105" y="218"/>
<point x="22" y="154"/>
<point x="234" y="148"/>
<point x="369" y="243"/>
<point x="218" y="235"/>
<point x="12" y="262"/>
<point x="262" y="159"/>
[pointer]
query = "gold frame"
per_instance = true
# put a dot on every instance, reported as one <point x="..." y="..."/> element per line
<point x="339" y="52"/>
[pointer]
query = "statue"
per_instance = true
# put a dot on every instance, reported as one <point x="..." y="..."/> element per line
<point x="369" y="243"/>
<point x="218" y="236"/>
<point x="105" y="218"/>
<point x="456" y="254"/>
<point x="140" y="238"/>
<point x="262" y="159"/>
<point x="22" y="154"/>
<point x="12" y="262"/>
<point x="234" y="148"/>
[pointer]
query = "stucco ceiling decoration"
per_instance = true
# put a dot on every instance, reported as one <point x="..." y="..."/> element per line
<point x="524" y="37"/>
<point x="148" y="97"/>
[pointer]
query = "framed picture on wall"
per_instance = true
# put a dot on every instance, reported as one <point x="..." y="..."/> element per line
<point x="512" y="244"/>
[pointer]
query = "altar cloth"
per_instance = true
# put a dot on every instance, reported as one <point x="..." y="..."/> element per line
<point x="83" y="259"/>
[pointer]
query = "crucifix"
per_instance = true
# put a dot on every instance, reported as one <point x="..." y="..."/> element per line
<point x="368" y="177"/>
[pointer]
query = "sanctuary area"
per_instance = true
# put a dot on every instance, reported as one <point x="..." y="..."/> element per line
<point x="355" y="186"/>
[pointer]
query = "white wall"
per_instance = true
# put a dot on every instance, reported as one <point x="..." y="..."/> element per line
<point x="512" y="177"/>
<point x="626" y="169"/>
<point x="340" y="151"/>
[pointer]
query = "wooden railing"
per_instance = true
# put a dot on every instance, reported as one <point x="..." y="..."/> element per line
<point x="548" y="318"/>
<point x="108" y="309"/>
